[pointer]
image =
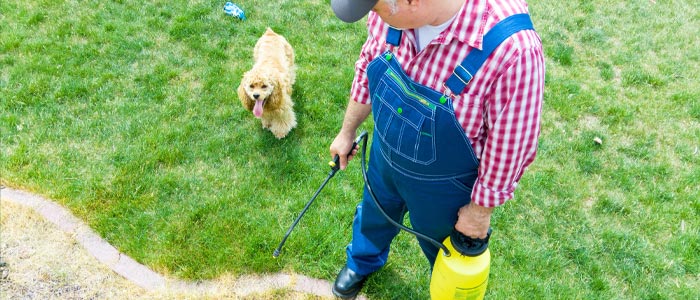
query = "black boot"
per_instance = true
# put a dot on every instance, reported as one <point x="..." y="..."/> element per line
<point x="348" y="284"/>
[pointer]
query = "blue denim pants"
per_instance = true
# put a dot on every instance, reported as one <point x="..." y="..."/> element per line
<point x="421" y="162"/>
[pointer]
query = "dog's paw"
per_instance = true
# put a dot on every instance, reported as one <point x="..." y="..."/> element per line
<point x="280" y="132"/>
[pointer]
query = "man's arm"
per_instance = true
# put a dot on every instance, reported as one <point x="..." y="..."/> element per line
<point x="355" y="114"/>
<point x="513" y="119"/>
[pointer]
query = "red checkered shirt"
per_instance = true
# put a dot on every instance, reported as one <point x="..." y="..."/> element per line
<point x="500" y="108"/>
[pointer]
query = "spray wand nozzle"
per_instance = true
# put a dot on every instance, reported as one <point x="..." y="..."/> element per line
<point x="335" y="166"/>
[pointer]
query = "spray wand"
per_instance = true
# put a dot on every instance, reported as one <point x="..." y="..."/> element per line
<point x="335" y="166"/>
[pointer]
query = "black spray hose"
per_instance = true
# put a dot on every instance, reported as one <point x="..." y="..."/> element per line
<point x="363" y="139"/>
<point x="335" y="166"/>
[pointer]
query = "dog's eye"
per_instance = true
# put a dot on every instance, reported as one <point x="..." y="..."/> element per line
<point x="264" y="86"/>
<point x="252" y="86"/>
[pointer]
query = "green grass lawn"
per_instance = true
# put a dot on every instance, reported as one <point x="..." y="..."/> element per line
<point x="126" y="113"/>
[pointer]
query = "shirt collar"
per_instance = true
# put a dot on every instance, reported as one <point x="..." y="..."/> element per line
<point x="468" y="26"/>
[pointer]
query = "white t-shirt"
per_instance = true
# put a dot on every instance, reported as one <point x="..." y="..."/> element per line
<point x="427" y="33"/>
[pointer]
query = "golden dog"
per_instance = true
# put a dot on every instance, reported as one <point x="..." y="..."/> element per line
<point x="266" y="89"/>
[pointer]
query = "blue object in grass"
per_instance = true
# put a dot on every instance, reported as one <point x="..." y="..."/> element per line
<point x="233" y="10"/>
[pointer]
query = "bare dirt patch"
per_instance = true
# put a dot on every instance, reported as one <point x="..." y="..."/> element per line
<point x="40" y="261"/>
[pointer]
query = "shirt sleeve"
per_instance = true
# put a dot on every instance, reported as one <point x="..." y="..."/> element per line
<point x="372" y="47"/>
<point x="513" y="127"/>
<point x="359" y="91"/>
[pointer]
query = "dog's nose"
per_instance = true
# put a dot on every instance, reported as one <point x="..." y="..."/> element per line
<point x="256" y="96"/>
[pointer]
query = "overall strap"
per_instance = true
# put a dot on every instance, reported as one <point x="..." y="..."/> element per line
<point x="393" y="36"/>
<point x="464" y="72"/>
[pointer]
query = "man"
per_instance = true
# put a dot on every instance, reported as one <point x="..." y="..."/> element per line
<point x="444" y="151"/>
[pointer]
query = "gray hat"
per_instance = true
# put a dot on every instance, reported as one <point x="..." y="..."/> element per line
<point x="350" y="11"/>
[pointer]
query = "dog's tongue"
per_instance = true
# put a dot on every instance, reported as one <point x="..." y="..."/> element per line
<point x="258" y="109"/>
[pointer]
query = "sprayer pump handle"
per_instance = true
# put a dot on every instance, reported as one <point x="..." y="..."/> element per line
<point x="467" y="245"/>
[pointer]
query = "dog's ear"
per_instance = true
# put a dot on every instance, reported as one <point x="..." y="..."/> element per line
<point x="243" y="96"/>
<point x="276" y="99"/>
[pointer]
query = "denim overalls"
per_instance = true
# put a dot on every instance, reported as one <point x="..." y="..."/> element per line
<point x="420" y="158"/>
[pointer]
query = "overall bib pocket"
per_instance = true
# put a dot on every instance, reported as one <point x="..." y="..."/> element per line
<point x="404" y="120"/>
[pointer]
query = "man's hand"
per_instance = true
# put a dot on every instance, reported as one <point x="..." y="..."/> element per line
<point x="341" y="145"/>
<point x="474" y="220"/>
<point x="355" y="114"/>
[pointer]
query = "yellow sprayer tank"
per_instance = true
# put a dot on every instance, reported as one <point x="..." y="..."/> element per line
<point x="459" y="276"/>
